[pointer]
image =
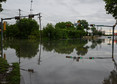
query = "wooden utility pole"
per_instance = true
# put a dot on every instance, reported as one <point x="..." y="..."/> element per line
<point x="1" y="37"/>
<point x="20" y="31"/>
<point x="19" y="12"/>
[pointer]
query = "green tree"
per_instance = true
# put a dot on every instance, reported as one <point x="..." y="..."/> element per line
<point x="1" y="4"/>
<point x="69" y="24"/>
<point x="93" y="29"/>
<point x="63" y="25"/>
<point x="26" y="27"/>
<point x="60" y="25"/>
<point x="11" y="31"/>
<point x="49" y="31"/>
<point x="83" y="24"/>
<point x="111" y="7"/>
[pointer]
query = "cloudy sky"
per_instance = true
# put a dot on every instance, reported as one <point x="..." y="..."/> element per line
<point x="53" y="11"/>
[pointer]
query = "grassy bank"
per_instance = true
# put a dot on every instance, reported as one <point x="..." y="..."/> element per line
<point x="13" y="77"/>
<point x="3" y="66"/>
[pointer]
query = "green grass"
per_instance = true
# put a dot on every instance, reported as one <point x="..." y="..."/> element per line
<point x="3" y="65"/>
<point x="14" y="76"/>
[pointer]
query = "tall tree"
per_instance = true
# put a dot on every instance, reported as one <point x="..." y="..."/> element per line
<point x="26" y="27"/>
<point x="111" y="7"/>
<point x="83" y="24"/>
<point x="1" y="4"/>
<point x="63" y="25"/>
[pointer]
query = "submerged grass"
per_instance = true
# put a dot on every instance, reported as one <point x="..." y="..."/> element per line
<point x="3" y="66"/>
<point x="14" y="76"/>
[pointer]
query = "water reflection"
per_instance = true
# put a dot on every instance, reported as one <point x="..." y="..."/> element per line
<point x="96" y="42"/>
<point x="56" y="68"/>
<point x="67" y="46"/>
<point x="24" y="48"/>
<point x="112" y="79"/>
<point x="80" y="58"/>
<point x="62" y="47"/>
<point x="29" y="48"/>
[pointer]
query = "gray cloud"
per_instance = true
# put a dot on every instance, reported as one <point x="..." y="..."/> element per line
<point x="61" y="10"/>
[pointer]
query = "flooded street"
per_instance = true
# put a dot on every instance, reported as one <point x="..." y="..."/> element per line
<point x="64" y="61"/>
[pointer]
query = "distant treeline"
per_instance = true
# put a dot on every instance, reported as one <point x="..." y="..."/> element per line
<point x="29" y="28"/>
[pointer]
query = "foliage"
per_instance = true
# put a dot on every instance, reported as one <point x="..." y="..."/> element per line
<point x="49" y="31"/>
<point x="24" y="48"/>
<point x="96" y="32"/>
<point x="56" y="32"/>
<point x="63" y="25"/>
<point x="3" y="65"/>
<point x="93" y="29"/>
<point x="1" y="4"/>
<point x="23" y="28"/>
<point x="14" y="76"/>
<point x="111" y="7"/>
<point x="65" y="46"/>
<point x="26" y="27"/>
<point x="82" y="25"/>
<point x="12" y="31"/>
<point x="60" y="25"/>
<point x="79" y="27"/>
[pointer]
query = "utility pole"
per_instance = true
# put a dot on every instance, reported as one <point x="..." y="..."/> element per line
<point x="40" y="38"/>
<point x="31" y="7"/>
<point x="40" y="24"/>
<point x="113" y="39"/>
<point x="1" y="37"/>
<point x="19" y="12"/>
<point x="20" y="45"/>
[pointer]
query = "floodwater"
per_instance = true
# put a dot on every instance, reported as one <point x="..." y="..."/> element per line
<point x="64" y="61"/>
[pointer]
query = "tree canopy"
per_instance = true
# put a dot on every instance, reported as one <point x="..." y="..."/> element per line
<point x="1" y="4"/>
<point x="111" y="7"/>
<point x="63" y="25"/>
<point x="23" y="28"/>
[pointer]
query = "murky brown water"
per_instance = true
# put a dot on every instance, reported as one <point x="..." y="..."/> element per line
<point x="64" y="61"/>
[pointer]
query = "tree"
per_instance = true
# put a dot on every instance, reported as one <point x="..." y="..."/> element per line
<point x="26" y="27"/>
<point x="93" y="29"/>
<point x="49" y="31"/>
<point x="69" y="24"/>
<point x="1" y="4"/>
<point x="60" y="25"/>
<point x="111" y="7"/>
<point x="12" y="31"/>
<point x="63" y="25"/>
<point x="23" y="29"/>
<point x="83" y="24"/>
